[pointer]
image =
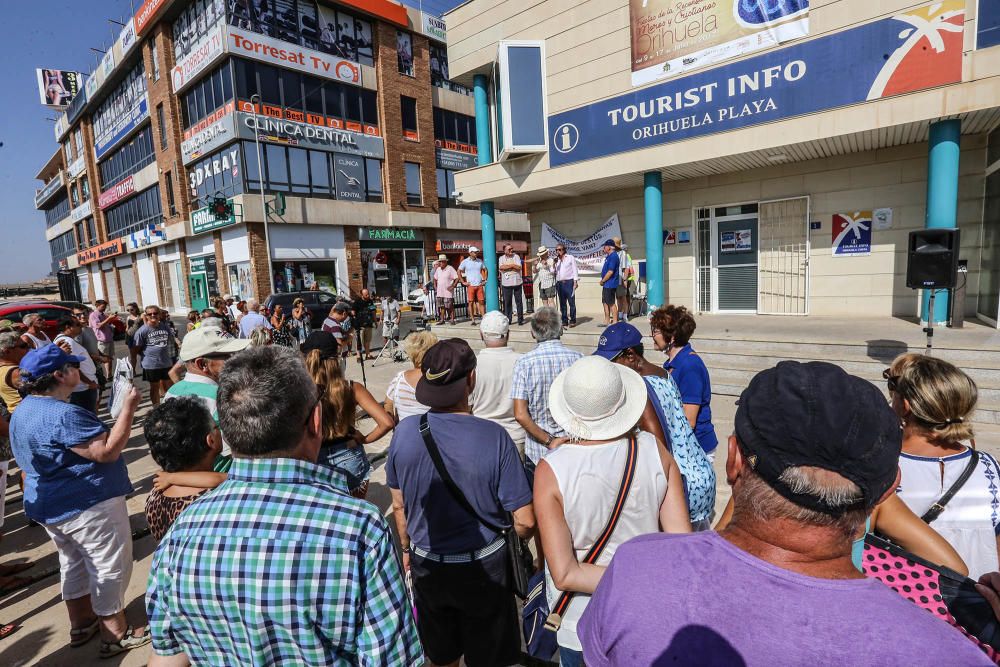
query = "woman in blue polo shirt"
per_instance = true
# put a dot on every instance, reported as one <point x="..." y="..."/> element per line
<point x="672" y="327"/>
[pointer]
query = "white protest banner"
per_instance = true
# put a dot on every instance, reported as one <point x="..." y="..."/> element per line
<point x="588" y="253"/>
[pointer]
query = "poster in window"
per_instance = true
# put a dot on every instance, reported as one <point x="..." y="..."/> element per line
<point x="286" y="21"/>
<point x="308" y="25"/>
<point x="404" y="52"/>
<point x="744" y="240"/>
<point x="254" y="15"/>
<point x="58" y="87"/>
<point x="439" y="64"/>
<point x="365" y="44"/>
<point x="350" y="171"/>
<point x="328" y="31"/>
<point x="240" y="281"/>
<point x="347" y="40"/>
<point x="727" y="242"/>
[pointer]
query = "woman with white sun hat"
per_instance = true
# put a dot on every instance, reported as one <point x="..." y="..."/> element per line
<point x="606" y="484"/>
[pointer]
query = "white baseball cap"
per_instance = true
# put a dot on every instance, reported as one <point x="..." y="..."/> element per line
<point x="494" y="324"/>
<point x="205" y="341"/>
<point x="473" y="248"/>
<point x="442" y="257"/>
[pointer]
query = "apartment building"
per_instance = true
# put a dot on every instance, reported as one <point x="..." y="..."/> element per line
<point x="332" y="130"/>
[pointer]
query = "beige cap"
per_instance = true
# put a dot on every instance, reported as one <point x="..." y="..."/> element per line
<point x="494" y="325"/>
<point x="442" y="257"/>
<point x="205" y="341"/>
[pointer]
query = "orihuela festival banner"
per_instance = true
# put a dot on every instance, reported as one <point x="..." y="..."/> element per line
<point x="670" y="37"/>
<point x="588" y="253"/>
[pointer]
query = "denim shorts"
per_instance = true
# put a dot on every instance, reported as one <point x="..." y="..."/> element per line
<point x="351" y="462"/>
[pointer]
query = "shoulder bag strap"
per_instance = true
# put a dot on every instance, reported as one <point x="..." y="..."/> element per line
<point x="616" y="512"/>
<point x="938" y="507"/>
<point x="456" y="493"/>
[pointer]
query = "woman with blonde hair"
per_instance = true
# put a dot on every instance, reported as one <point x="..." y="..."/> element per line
<point x="400" y="398"/>
<point x="343" y="447"/>
<point x="949" y="484"/>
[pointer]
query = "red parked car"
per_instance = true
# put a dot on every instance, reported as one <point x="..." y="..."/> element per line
<point x="50" y="312"/>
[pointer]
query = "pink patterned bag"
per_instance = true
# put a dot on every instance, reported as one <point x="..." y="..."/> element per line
<point x="941" y="591"/>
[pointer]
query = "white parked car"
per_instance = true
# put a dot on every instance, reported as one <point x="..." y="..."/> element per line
<point x="415" y="299"/>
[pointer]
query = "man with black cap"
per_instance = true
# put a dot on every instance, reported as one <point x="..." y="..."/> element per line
<point x="459" y="566"/>
<point x="815" y="450"/>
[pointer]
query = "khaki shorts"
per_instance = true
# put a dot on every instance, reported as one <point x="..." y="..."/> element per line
<point x="106" y="348"/>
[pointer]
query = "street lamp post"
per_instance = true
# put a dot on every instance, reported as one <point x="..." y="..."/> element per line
<point x="260" y="182"/>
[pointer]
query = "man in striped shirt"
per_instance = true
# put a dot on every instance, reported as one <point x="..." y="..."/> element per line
<point x="279" y="564"/>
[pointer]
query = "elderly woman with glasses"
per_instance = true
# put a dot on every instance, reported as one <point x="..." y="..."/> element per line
<point x="75" y="486"/>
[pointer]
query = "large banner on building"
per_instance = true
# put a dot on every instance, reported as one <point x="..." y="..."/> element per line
<point x="283" y="54"/>
<point x="912" y="51"/>
<point x="58" y="87"/>
<point x="670" y="37"/>
<point x="588" y="252"/>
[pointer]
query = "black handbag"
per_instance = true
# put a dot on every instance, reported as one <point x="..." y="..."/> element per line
<point x="518" y="557"/>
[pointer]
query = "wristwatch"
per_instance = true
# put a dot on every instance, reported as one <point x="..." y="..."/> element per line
<point x="406" y="550"/>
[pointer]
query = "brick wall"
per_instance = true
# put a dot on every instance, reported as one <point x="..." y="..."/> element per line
<point x="392" y="85"/>
<point x="352" y="245"/>
<point x="160" y="93"/>
<point x="94" y="178"/>
<point x="223" y="282"/>
<point x="260" y="264"/>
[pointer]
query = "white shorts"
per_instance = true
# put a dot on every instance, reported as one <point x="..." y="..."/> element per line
<point x="95" y="555"/>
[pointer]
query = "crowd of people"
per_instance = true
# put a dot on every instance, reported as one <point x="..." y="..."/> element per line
<point x="268" y="549"/>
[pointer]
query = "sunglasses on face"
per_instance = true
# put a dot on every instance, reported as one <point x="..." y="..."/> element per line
<point x="560" y="249"/>
<point x="891" y="381"/>
<point x="79" y="314"/>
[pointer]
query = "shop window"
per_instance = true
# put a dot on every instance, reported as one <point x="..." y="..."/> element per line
<point x="162" y="125"/>
<point x="373" y="170"/>
<point x="169" y="184"/>
<point x="408" y="112"/>
<point x="81" y="241"/>
<point x="253" y="168"/>
<point x="135" y="214"/>
<point x="127" y="159"/>
<point x="404" y="52"/>
<point x="277" y="167"/>
<point x="413" y="195"/>
<point x="445" y="188"/>
<point x="298" y="162"/>
<point x="319" y="169"/>
<point x="62" y="246"/>
<point x="58" y="210"/>
<point x="291" y="85"/>
<point x="268" y="84"/>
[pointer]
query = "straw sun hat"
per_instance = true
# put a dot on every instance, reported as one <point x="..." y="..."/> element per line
<point x="595" y="399"/>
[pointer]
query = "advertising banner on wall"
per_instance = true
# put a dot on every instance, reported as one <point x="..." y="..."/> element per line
<point x="292" y="133"/>
<point x="103" y="251"/>
<point x="670" y="37"/>
<point x="851" y="234"/>
<point x="58" y="87"/>
<point x="116" y="192"/>
<point x="204" y="53"/>
<point x="434" y="27"/>
<point x="350" y="177"/>
<point x="283" y="54"/>
<point x="588" y="252"/>
<point x="45" y="193"/>
<point x="208" y="139"/>
<point x="871" y="62"/>
<point x="455" y="159"/>
<point x="122" y="127"/>
<point x="203" y="220"/>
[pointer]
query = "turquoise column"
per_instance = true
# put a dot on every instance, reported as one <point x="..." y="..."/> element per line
<point x="486" y="213"/>
<point x="653" y="197"/>
<point x="942" y="197"/>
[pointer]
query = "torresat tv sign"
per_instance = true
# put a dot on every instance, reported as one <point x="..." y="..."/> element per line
<point x="284" y="54"/>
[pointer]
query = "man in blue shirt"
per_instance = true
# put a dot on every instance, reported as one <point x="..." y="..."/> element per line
<point x="609" y="281"/>
<point x="459" y="566"/>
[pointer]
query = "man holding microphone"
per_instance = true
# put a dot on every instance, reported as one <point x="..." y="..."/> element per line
<point x="567" y="280"/>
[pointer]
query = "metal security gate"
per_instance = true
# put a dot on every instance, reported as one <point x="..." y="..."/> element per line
<point x="783" y="260"/>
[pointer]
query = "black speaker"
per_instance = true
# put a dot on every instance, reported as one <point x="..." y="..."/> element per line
<point x="932" y="259"/>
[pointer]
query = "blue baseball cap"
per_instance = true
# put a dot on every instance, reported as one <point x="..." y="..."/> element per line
<point x="48" y="359"/>
<point x="616" y="338"/>
<point x="610" y="243"/>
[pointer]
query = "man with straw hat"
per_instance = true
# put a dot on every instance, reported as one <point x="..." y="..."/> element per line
<point x="445" y="278"/>
<point x="545" y="277"/>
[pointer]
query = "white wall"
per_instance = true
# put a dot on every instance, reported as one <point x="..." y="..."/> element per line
<point x="147" y="280"/>
<point x="873" y="285"/>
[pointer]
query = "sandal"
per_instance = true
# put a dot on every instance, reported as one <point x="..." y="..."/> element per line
<point x="81" y="636"/>
<point x="128" y="642"/>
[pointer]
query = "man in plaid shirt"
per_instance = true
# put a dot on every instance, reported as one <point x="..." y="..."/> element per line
<point x="279" y="564"/>
<point x="534" y="374"/>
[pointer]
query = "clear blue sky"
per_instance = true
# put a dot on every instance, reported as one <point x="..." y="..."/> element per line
<point x="56" y="34"/>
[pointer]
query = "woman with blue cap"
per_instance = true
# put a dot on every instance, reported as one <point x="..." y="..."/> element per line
<point x="622" y="344"/>
<point x="75" y="483"/>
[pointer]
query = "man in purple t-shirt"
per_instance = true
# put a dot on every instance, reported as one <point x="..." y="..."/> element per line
<point x="100" y="324"/>
<point x="815" y="450"/>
